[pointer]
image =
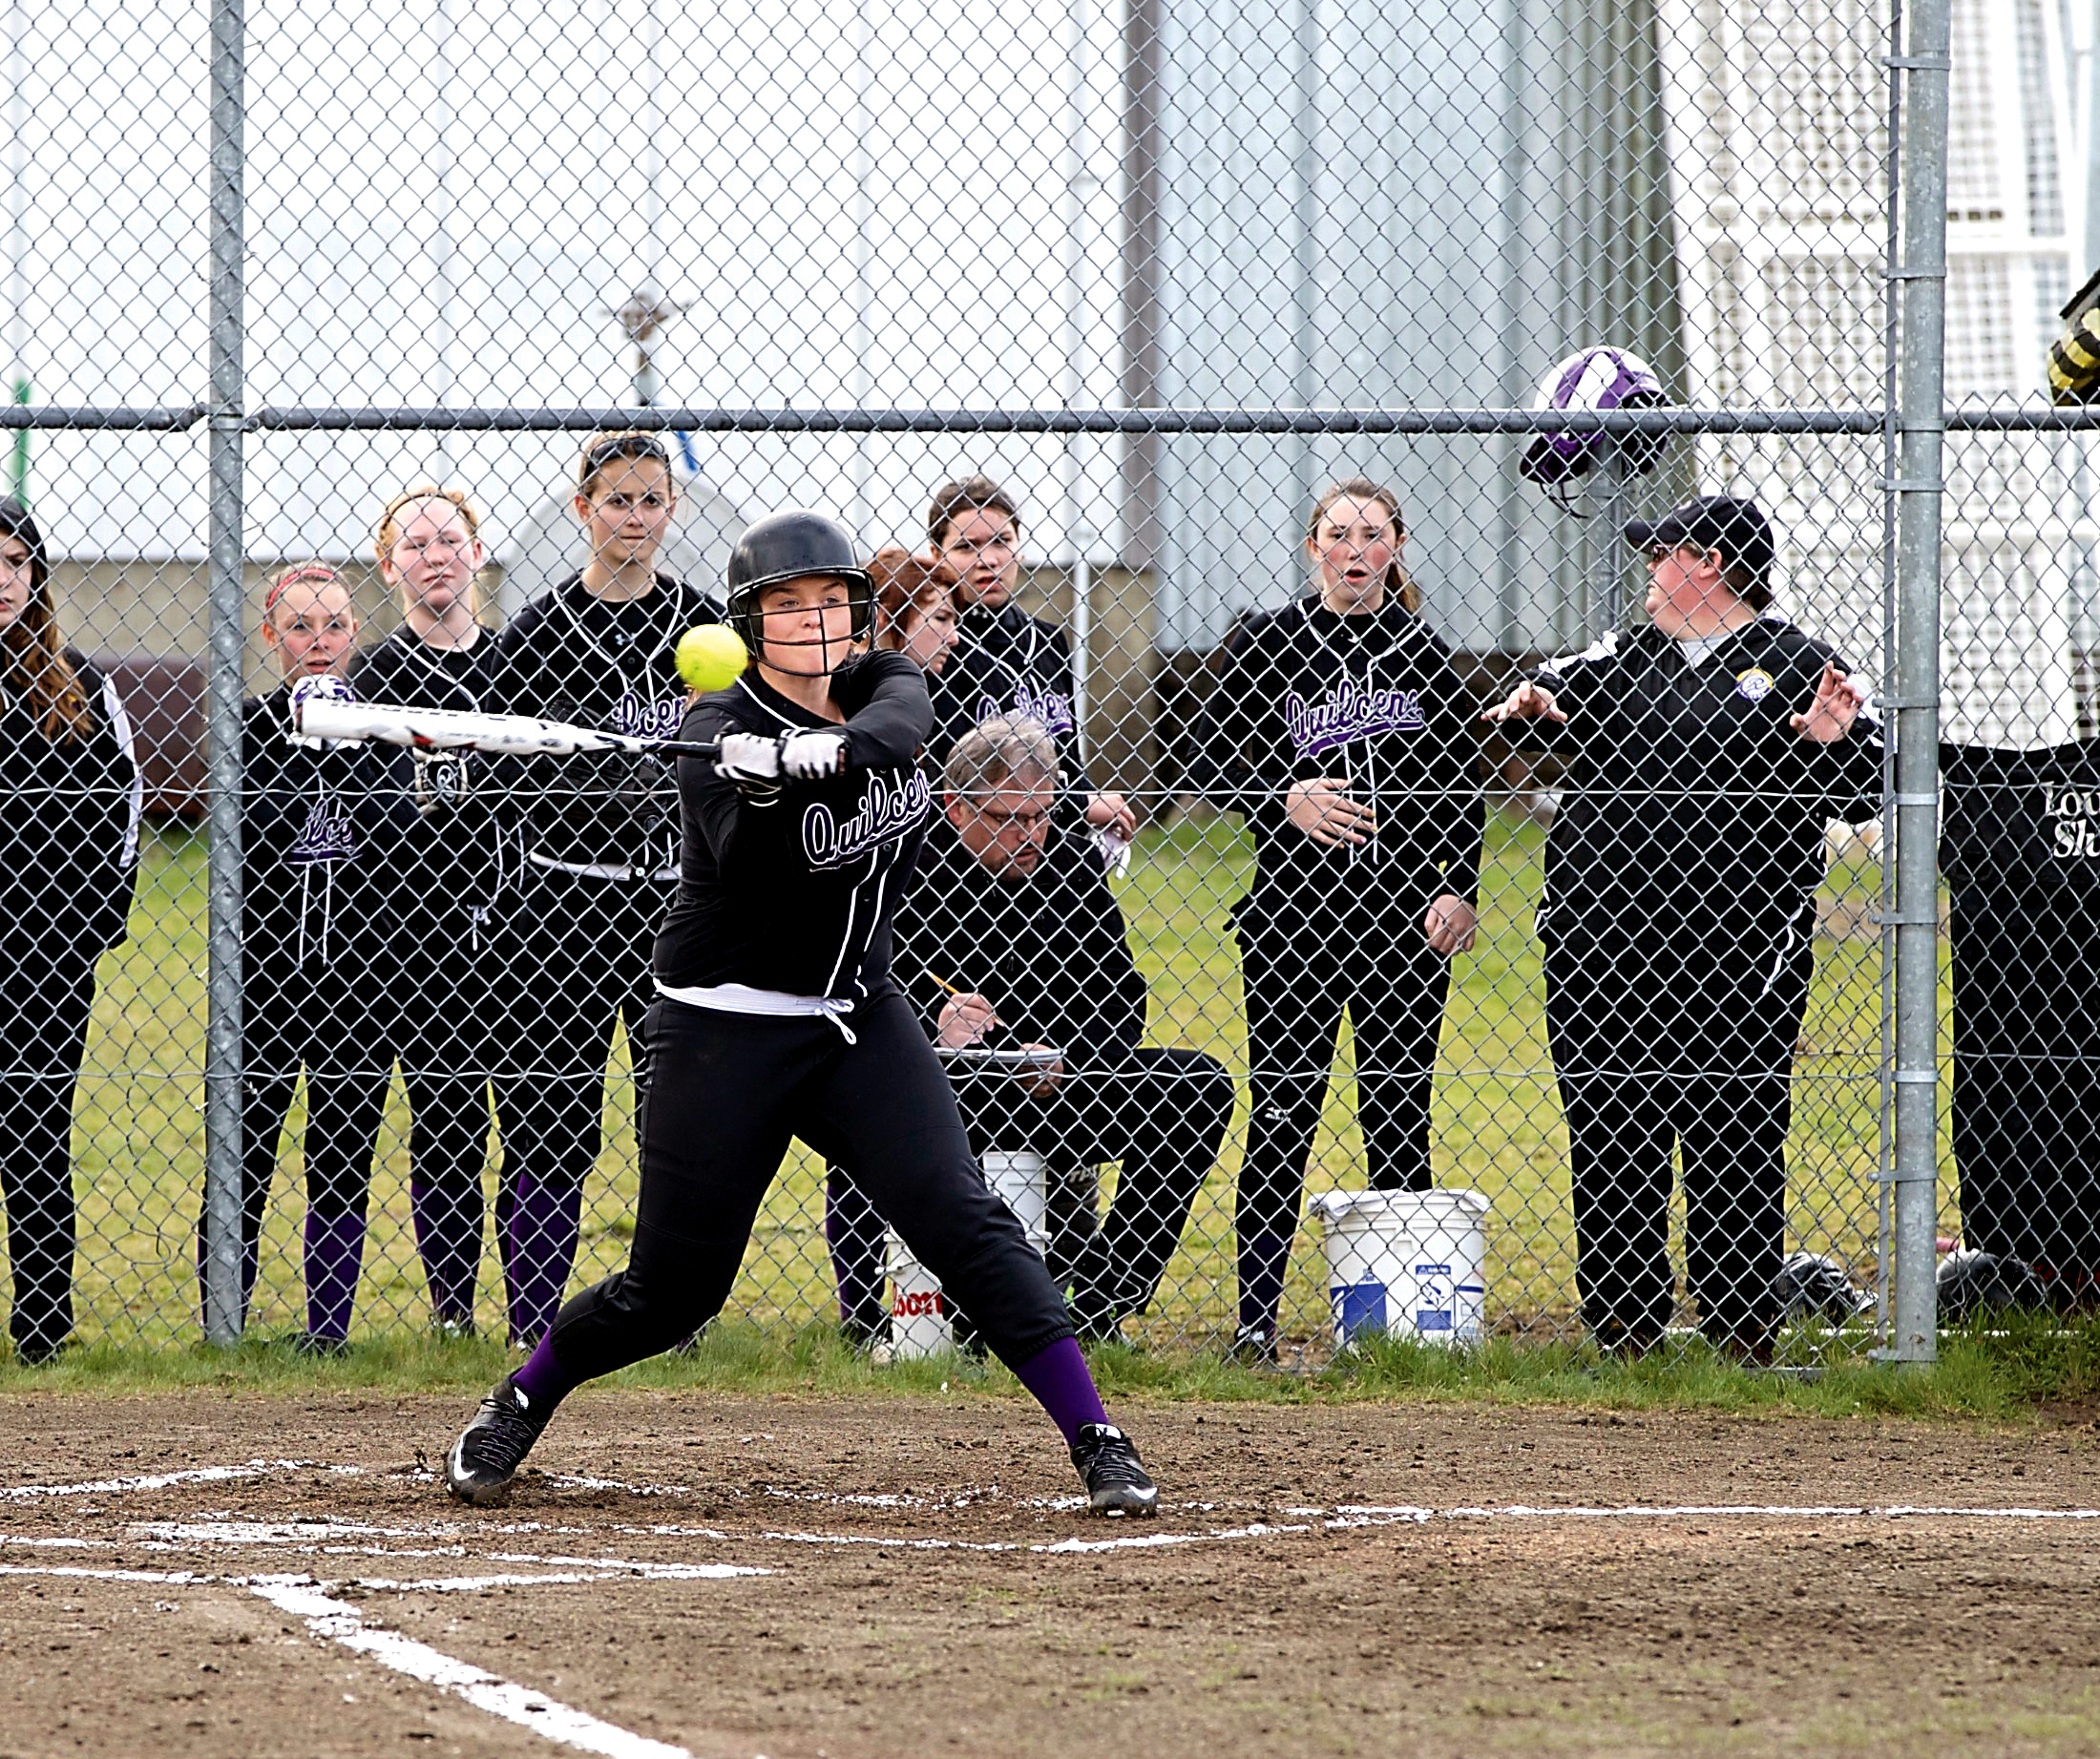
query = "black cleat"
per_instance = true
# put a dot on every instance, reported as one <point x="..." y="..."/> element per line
<point x="480" y="1465"/>
<point x="1115" y="1477"/>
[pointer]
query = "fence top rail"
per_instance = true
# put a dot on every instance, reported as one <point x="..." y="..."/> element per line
<point x="1970" y="418"/>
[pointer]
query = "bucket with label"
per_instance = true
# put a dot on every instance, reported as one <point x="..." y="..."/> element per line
<point x="919" y="1321"/>
<point x="1407" y="1263"/>
<point x="920" y="1326"/>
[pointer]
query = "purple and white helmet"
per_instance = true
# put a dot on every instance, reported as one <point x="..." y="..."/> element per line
<point x="1593" y="379"/>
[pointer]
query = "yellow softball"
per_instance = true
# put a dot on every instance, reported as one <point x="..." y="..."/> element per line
<point x="711" y="657"/>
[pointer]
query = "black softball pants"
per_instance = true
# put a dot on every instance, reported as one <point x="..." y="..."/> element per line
<point x="320" y="1023"/>
<point x="440" y="1011"/>
<point x="726" y="1093"/>
<point x="1299" y="971"/>
<point x="1681" y="1040"/>
<point x="583" y="969"/>
<point x="43" y="1036"/>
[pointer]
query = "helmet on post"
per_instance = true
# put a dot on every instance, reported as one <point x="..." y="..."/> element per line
<point x="1597" y="378"/>
<point x="789" y="546"/>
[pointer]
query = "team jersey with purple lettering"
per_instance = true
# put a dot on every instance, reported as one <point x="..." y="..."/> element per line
<point x="1009" y="663"/>
<point x="1304" y="692"/>
<point x="792" y="887"/>
<point x="570" y="656"/>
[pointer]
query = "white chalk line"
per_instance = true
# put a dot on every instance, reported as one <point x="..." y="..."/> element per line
<point x="336" y="1622"/>
<point x="164" y="1480"/>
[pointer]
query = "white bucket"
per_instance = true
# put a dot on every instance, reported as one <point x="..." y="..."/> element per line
<point x="1017" y="1180"/>
<point x="920" y="1325"/>
<point x="918" y="1315"/>
<point x="1409" y="1264"/>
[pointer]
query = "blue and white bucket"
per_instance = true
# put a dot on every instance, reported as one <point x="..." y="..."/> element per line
<point x="919" y="1321"/>
<point x="1407" y="1263"/>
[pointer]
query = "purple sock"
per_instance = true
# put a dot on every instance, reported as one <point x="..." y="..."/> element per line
<point x="447" y="1235"/>
<point x="542" y="1379"/>
<point x="1264" y="1259"/>
<point x="1063" y="1386"/>
<point x="546" y="1221"/>
<point x="335" y="1245"/>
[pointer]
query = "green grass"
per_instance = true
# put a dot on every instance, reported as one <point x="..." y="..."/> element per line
<point x="139" y="1136"/>
<point x="2012" y="1374"/>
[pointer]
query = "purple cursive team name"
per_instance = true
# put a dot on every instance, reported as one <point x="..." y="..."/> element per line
<point x="1350" y="713"/>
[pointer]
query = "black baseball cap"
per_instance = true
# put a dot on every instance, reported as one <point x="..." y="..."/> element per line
<point x="1736" y="528"/>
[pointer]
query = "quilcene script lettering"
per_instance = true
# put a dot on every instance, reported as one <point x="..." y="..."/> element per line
<point x="1350" y="712"/>
<point x="888" y="807"/>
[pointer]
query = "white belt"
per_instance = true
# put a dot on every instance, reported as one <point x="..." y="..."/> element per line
<point x="601" y="870"/>
<point x="779" y="1004"/>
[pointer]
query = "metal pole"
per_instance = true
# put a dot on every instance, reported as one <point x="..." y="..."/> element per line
<point x="1922" y="420"/>
<point x="223" y="680"/>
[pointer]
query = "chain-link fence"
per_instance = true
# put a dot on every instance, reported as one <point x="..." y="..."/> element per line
<point x="1468" y="897"/>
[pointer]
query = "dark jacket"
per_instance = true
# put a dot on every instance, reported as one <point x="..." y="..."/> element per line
<point x="1689" y="800"/>
<point x="1305" y="692"/>
<point x="794" y="887"/>
<point x="1009" y="663"/>
<point x="569" y="656"/>
<point x="69" y="825"/>
<point x="310" y="824"/>
<point x="459" y="849"/>
<point x="1048" y="951"/>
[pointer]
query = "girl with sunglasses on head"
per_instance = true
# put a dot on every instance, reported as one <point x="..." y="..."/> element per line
<point x="600" y="842"/>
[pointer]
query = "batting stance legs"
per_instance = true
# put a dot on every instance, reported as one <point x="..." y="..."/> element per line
<point x="585" y="968"/>
<point x="728" y="1093"/>
<point x="1658" y="1047"/>
<point x="1298" y="976"/>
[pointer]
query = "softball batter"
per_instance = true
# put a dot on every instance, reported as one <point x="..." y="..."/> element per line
<point x="1340" y="732"/>
<point x="776" y="1016"/>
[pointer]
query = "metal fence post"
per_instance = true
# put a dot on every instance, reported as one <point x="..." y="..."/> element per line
<point x="1921" y="272"/>
<point x="223" y="668"/>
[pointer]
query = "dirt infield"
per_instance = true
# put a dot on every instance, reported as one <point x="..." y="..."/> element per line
<point x="732" y="1577"/>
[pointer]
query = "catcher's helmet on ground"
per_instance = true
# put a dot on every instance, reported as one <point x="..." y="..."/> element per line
<point x="1972" y="1283"/>
<point x="1814" y="1286"/>
<point x="788" y="546"/>
<point x="1593" y="379"/>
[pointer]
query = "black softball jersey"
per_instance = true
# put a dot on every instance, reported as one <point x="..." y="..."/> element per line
<point x="790" y="888"/>
<point x="1305" y="692"/>
<point x="1009" y="663"/>
<point x="572" y="656"/>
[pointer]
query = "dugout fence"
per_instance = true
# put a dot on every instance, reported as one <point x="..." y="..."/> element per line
<point x="1161" y="273"/>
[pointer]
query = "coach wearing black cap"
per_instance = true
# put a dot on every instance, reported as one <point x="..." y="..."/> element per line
<point x="1707" y="752"/>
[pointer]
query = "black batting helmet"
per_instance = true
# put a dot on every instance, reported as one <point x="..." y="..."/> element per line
<point x="1973" y="1282"/>
<point x="788" y="546"/>
<point x="1814" y="1286"/>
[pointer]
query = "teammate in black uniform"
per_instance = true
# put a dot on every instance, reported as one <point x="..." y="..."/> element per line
<point x="776" y="1018"/>
<point x="1708" y="753"/>
<point x="1339" y="730"/>
<point x="312" y="922"/>
<point x="446" y="868"/>
<point x="1006" y="662"/>
<point x="601" y="853"/>
<point x="69" y="860"/>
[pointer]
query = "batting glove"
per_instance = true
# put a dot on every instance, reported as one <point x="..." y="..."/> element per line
<point x="323" y="684"/>
<point x="808" y="757"/>
<point x="749" y="757"/>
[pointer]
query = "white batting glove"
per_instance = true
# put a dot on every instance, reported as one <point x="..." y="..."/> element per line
<point x="323" y="684"/>
<point x="808" y="757"/>
<point x="749" y="757"/>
